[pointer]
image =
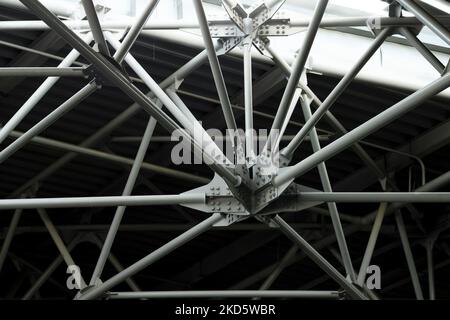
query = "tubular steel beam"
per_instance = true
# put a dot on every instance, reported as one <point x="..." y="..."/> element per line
<point x="49" y="271"/>
<point x="426" y="19"/>
<point x="64" y="251"/>
<point x="337" y="91"/>
<point x="298" y="68"/>
<point x="248" y="93"/>
<point x="279" y="268"/>
<point x="42" y="72"/>
<point x="135" y="29"/>
<point x="326" y="185"/>
<point x="112" y="73"/>
<point x="113" y="158"/>
<point x="408" y="254"/>
<point x="111" y="201"/>
<point x="188" y="122"/>
<point x="9" y="236"/>
<point x="424" y="51"/>
<point x="371" y="243"/>
<point x="47" y="121"/>
<point x="359" y="133"/>
<point x="357" y="197"/>
<point x="38" y="94"/>
<point x="95" y="26"/>
<point x="215" y="67"/>
<point x="106" y="249"/>
<point x="132" y="110"/>
<point x="354" y="292"/>
<point x="123" y="24"/>
<point x="195" y="231"/>
<point x="226" y="294"/>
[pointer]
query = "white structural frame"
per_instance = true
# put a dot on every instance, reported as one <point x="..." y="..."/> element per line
<point x="257" y="196"/>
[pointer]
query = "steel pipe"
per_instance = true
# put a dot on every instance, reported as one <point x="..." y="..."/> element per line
<point x="317" y="258"/>
<point x="108" y="201"/>
<point x="427" y="19"/>
<point x="408" y="254"/>
<point x="85" y="92"/>
<point x="9" y="236"/>
<point x="297" y="69"/>
<point x="42" y="72"/>
<point x="96" y="28"/>
<point x="332" y="208"/>
<point x="38" y="94"/>
<point x="358" y="197"/>
<point x="132" y="110"/>
<point x="424" y="51"/>
<point x="371" y="243"/>
<point x="123" y="24"/>
<point x="118" y="215"/>
<point x="359" y="133"/>
<point x="337" y="91"/>
<point x="185" y="237"/>
<point x="299" y="294"/>
<point x="215" y="67"/>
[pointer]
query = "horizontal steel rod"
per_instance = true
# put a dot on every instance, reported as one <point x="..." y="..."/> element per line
<point x="305" y="294"/>
<point x="418" y="197"/>
<point x="151" y="258"/>
<point x="118" y="24"/>
<point x="108" y="201"/>
<point x="136" y="139"/>
<point x="102" y="228"/>
<point x="42" y="72"/>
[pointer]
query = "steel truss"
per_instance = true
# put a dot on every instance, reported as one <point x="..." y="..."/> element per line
<point x="235" y="193"/>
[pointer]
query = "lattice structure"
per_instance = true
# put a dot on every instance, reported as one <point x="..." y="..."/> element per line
<point x="243" y="187"/>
